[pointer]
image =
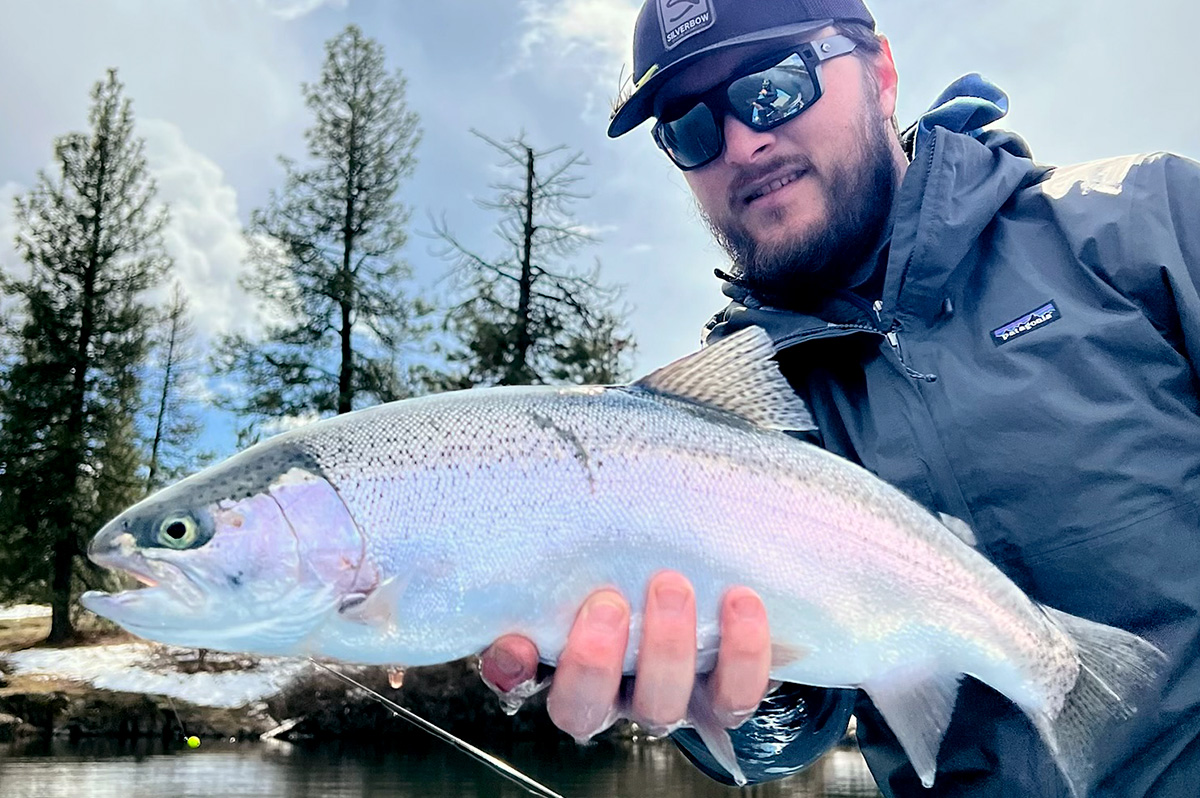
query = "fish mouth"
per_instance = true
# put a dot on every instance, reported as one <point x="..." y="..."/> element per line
<point x="162" y="583"/>
<point x="137" y="566"/>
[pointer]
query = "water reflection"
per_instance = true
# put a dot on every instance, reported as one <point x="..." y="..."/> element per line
<point x="107" y="769"/>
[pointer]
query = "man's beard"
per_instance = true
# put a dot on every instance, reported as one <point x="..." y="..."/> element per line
<point x="796" y="270"/>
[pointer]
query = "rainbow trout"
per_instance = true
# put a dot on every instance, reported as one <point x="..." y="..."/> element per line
<point x="418" y="532"/>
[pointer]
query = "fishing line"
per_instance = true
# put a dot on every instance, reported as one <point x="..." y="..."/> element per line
<point x="500" y="766"/>
<point x="178" y="719"/>
<point x="192" y="742"/>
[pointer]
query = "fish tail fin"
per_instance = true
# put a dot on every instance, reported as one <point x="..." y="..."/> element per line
<point x="1115" y="665"/>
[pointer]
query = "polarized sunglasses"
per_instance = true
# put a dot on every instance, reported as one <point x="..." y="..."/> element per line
<point x="768" y="93"/>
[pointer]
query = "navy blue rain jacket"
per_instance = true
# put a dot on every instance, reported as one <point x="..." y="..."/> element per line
<point x="1032" y="370"/>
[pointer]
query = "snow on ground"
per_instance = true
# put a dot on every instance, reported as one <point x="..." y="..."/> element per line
<point x="140" y="668"/>
<point x="20" y="612"/>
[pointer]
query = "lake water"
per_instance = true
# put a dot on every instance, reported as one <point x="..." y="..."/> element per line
<point x="107" y="769"/>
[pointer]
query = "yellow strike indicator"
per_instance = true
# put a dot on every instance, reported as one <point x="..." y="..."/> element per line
<point x="193" y="742"/>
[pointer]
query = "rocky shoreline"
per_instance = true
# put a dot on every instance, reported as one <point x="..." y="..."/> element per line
<point x="315" y="706"/>
<point x="113" y="685"/>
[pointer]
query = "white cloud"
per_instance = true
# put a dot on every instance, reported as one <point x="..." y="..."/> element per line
<point x="294" y="9"/>
<point x="575" y="27"/>
<point x="277" y="426"/>
<point x="204" y="235"/>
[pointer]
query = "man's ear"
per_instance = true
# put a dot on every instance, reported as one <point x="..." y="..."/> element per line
<point x="886" y="79"/>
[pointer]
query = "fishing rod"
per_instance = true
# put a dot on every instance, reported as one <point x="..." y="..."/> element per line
<point x="500" y="766"/>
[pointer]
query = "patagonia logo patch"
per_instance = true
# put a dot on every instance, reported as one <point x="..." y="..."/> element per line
<point x="683" y="18"/>
<point x="1044" y="315"/>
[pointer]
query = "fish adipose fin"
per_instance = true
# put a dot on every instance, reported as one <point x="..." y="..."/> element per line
<point x="961" y="529"/>
<point x="917" y="703"/>
<point x="1115" y="666"/>
<point x="737" y="375"/>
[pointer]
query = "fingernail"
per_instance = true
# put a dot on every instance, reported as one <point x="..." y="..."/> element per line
<point x="671" y="599"/>
<point x="605" y="615"/>
<point x="507" y="665"/>
<point x="747" y="607"/>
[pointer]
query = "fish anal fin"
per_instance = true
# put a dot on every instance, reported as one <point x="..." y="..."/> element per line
<point x="377" y="607"/>
<point x="714" y="736"/>
<point x="738" y="375"/>
<point x="917" y="702"/>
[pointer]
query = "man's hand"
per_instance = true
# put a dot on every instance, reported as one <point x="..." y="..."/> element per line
<point x="583" y="696"/>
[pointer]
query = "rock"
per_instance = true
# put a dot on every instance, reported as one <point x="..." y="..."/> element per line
<point x="452" y="696"/>
<point x="282" y="728"/>
<point x="9" y="725"/>
<point x="104" y="713"/>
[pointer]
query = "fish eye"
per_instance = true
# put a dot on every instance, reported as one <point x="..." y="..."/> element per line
<point x="177" y="532"/>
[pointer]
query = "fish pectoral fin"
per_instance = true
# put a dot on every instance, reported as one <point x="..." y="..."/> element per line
<point x="783" y="655"/>
<point x="917" y="702"/>
<point x="712" y="733"/>
<point x="377" y="607"/>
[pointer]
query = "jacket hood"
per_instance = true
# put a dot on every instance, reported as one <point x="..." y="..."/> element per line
<point x="959" y="177"/>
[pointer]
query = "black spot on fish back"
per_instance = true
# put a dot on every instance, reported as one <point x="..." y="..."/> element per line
<point x="259" y="468"/>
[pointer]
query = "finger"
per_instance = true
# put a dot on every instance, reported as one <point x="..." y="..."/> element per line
<point x="739" y="681"/>
<point x="666" y="665"/>
<point x="584" y="694"/>
<point x="510" y="661"/>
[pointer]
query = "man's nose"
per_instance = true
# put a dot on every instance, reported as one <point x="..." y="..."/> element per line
<point x="745" y="145"/>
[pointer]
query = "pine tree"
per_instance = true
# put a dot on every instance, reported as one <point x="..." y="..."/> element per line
<point x="174" y="383"/>
<point x="91" y="237"/>
<point x="528" y="315"/>
<point x="325" y="251"/>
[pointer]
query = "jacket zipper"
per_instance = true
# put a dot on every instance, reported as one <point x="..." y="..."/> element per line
<point x="893" y="333"/>
<point x="893" y="337"/>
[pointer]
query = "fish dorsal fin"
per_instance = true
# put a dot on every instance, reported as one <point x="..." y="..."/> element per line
<point x="738" y="375"/>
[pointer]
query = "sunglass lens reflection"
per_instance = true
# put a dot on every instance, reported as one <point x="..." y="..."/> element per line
<point x="693" y="139"/>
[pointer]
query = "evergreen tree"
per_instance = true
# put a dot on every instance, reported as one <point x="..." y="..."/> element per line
<point x="325" y="250"/>
<point x="528" y="314"/>
<point x="174" y="383"/>
<point x="91" y="237"/>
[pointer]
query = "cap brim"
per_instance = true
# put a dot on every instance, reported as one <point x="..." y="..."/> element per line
<point x="640" y="105"/>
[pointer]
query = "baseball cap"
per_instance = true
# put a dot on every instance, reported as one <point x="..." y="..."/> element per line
<point x="671" y="34"/>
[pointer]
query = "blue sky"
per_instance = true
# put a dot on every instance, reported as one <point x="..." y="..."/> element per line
<point x="216" y="89"/>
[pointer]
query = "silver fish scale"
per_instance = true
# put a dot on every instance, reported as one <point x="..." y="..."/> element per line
<point x="518" y="502"/>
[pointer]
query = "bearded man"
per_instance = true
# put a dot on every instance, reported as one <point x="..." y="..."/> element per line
<point x="1012" y="344"/>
